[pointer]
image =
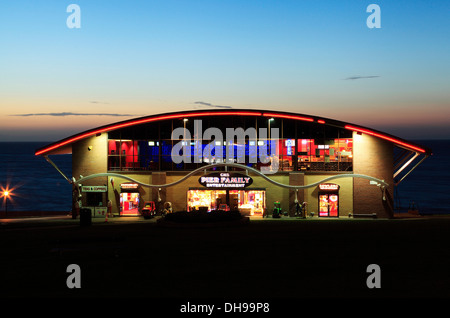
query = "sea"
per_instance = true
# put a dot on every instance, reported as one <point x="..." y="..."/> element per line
<point x="37" y="186"/>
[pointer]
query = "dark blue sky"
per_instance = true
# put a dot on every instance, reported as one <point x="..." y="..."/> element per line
<point x="135" y="58"/>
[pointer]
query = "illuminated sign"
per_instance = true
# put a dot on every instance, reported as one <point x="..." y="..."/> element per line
<point x="129" y="185"/>
<point x="329" y="186"/>
<point x="289" y="144"/>
<point x="225" y="180"/>
<point x="94" y="188"/>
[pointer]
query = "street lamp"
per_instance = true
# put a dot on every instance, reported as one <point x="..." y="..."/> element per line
<point x="6" y="195"/>
<point x="269" y="143"/>
<point x="185" y="120"/>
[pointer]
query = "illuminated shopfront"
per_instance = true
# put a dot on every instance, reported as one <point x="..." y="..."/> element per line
<point x="232" y="196"/>
<point x="129" y="199"/>
<point x="328" y="200"/>
<point x="248" y="202"/>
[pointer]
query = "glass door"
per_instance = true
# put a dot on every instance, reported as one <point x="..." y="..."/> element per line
<point x="129" y="204"/>
<point x="329" y="205"/>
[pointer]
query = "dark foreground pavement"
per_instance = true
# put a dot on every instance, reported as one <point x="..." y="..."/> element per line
<point x="278" y="259"/>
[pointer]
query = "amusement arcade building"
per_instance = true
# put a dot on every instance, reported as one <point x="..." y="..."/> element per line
<point x="337" y="168"/>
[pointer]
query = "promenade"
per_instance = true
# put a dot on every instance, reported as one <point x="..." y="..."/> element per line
<point x="268" y="258"/>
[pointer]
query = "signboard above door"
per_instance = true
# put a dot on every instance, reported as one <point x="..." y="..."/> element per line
<point x="225" y="180"/>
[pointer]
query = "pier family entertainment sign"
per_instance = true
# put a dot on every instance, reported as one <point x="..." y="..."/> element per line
<point x="225" y="180"/>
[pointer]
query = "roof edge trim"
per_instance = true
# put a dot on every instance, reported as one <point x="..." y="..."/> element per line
<point x="385" y="137"/>
<point x="234" y="112"/>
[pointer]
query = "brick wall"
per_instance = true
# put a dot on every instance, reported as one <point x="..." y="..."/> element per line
<point x="89" y="156"/>
<point x="87" y="162"/>
<point x="373" y="157"/>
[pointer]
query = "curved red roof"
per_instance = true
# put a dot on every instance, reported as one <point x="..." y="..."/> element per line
<point x="62" y="146"/>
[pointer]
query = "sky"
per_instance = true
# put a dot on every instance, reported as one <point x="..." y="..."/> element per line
<point x="135" y="58"/>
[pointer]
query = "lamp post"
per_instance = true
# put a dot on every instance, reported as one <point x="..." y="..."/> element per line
<point x="185" y="120"/>
<point x="184" y="127"/>
<point x="269" y="141"/>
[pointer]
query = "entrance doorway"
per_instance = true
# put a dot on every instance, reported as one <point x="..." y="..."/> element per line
<point x="129" y="204"/>
<point x="329" y="204"/>
<point x="248" y="202"/>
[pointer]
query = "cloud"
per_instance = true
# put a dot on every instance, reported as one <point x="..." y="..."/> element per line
<point x="71" y="114"/>
<point x="211" y="105"/>
<point x="97" y="102"/>
<point x="361" y="77"/>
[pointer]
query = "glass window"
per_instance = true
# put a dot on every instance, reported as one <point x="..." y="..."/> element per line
<point x="325" y="154"/>
<point x="301" y="145"/>
<point x="304" y="154"/>
<point x="113" y="155"/>
<point x="345" y="154"/>
<point x="148" y="154"/>
<point x="129" y="155"/>
<point x="287" y="154"/>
